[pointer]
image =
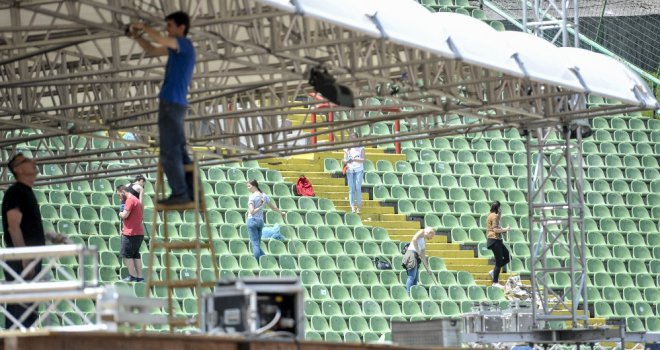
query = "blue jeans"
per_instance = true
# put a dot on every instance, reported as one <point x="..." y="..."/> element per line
<point x="413" y="276"/>
<point x="173" y="154"/>
<point x="354" y="180"/>
<point x="254" y="228"/>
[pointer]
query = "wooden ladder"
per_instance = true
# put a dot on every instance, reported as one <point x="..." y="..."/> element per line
<point x="170" y="243"/>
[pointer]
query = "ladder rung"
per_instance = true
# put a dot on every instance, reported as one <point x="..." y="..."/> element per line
<point x="189" y="167"/>
<point x="181" y="245"/>
<point x="189" y="283"/>
<point x="179" y="321"/>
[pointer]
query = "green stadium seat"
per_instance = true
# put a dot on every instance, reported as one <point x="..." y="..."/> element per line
<point x="634" y="324"/>
<point x="602" y="309"/>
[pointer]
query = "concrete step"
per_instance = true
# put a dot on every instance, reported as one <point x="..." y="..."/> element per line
<point x="321" y="187"/>
<point x="372" y="156"/>
<point x="332" y="181"/>
<point x="449" y="254"/>
<point x="443" y="246"/>
<point x="339" y="195"/>
<point x="469" y="268"/>
<point x="293" y="172"/>
<point x="365" y="215"/>
<point x="486" y="276"/>
<point x="406" y="233"/>
<point x="396" y="224"/>
<point x="366" y="203"/>
<point x="367" y="210"/>
<point x="459" y="264"/>
<point x="301" y="169"/>
<point x="408" y="237"/>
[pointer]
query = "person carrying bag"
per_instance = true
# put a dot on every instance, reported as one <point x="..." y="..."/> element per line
<point x="416" y="253"/>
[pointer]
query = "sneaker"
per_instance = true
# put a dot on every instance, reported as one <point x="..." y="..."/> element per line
<point x="352" y="209"/>
<point x="129" y="278"/>
<point x="491" y="273"/>
<point x="139" y="279"/>
<point x="176" y="200"/>
<point x="357" y="210"/>
<point x="497" y="285"/>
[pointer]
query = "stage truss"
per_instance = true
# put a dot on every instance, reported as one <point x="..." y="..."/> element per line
<point x="72" y="86"/>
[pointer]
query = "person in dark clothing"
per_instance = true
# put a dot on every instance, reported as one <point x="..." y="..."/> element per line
<point x="22" y="227"/>
<point x="494" y="234"/>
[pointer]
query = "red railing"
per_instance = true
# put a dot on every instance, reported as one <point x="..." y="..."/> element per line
<point x="331" y="118"/>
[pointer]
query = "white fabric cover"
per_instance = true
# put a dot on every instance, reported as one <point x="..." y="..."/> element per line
<point x="456" y="36"/>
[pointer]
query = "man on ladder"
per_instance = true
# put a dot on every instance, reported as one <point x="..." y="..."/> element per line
<point x="173" y="99"/>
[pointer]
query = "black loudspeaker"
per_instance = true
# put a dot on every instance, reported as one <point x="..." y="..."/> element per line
<point x="326" y="85"/>
<point x="255" y="306"/>
<point x="585" y="125"/>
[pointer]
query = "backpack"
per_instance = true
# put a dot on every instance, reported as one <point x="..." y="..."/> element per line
<point x="382" y="264"/>
<point x="304" y="187"/>
<point x="404" y="248"/>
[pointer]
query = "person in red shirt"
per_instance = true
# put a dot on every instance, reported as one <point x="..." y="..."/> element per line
<point x="132" y="235"/>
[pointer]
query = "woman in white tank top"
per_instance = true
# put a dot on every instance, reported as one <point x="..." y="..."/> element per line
<point x="418" y="245"/>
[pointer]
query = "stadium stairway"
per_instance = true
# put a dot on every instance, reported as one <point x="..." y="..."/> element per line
<point x="374" y="213"/>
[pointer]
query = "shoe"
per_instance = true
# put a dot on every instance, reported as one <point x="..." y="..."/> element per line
<point x="139" y="279"/>
<point x="176" y="200"/>
<point x="129" y="278"/>
<point x="497" y="285"/>
<point x="357" y="210"/>
<point x="491" y="273"/>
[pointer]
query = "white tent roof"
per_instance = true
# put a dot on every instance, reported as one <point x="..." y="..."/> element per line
<point x="456" y="36"/>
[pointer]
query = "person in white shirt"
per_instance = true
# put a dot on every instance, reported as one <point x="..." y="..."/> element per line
<point x="354" y="160"/>
<point x="417" y="248"/>
<point x="255" y="216"/>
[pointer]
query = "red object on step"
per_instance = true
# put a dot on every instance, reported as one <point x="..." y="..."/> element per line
<point x="304" y="187"/>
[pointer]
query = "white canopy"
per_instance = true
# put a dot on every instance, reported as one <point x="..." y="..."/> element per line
<point x="456" y="36"/>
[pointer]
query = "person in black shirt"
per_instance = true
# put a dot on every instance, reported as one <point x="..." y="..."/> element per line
<point x="21" y="224"/>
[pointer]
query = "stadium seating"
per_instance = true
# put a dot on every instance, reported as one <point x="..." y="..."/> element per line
<point x="446" y="182"/>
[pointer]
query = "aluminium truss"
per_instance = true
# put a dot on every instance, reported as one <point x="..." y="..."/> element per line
<point x="556" y="226"/>
<point x="80" y="96"/>
<point x="557" y="215"/>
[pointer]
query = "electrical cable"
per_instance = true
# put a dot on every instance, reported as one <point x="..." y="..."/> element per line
<point x="270" y="324"/>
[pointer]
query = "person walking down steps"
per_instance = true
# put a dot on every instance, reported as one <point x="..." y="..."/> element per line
<point x="354" y="160"/>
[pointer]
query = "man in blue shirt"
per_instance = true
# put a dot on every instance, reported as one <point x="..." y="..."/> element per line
<point x="173" y="98"/>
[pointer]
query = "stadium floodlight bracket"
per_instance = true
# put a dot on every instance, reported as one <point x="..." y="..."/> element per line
<point x="325" y="84"/>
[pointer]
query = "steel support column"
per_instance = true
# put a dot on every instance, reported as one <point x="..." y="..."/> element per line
<point x="556" y="225"/>
<point x="552" y="15"/>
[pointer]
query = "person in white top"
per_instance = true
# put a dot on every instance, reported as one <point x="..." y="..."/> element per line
<point x="255" y="216"/>
<point x="418" y="245"/>
<point x="354" y="159"/>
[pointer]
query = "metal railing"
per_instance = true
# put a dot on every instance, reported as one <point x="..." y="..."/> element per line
<point x="41" y="294"/>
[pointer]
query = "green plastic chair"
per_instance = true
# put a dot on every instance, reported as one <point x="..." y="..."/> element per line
<point x="498" y="26"/>
<point x="610" y="293"/>
<point x="379" y="324"/>
<point x="603" y="310"/>
<point x="378" y="293"/>
<point x="476" y="293"/>
<point x="391" y="308"/>
<point x="450" y="308"/>
<point x="495" y="294"/>
<point x="632" y="294"/>
<point x="411" y="308"/>
<point x="389" y="278"/>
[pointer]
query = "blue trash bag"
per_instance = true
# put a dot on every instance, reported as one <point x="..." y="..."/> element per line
<point x="272" y="232"/>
